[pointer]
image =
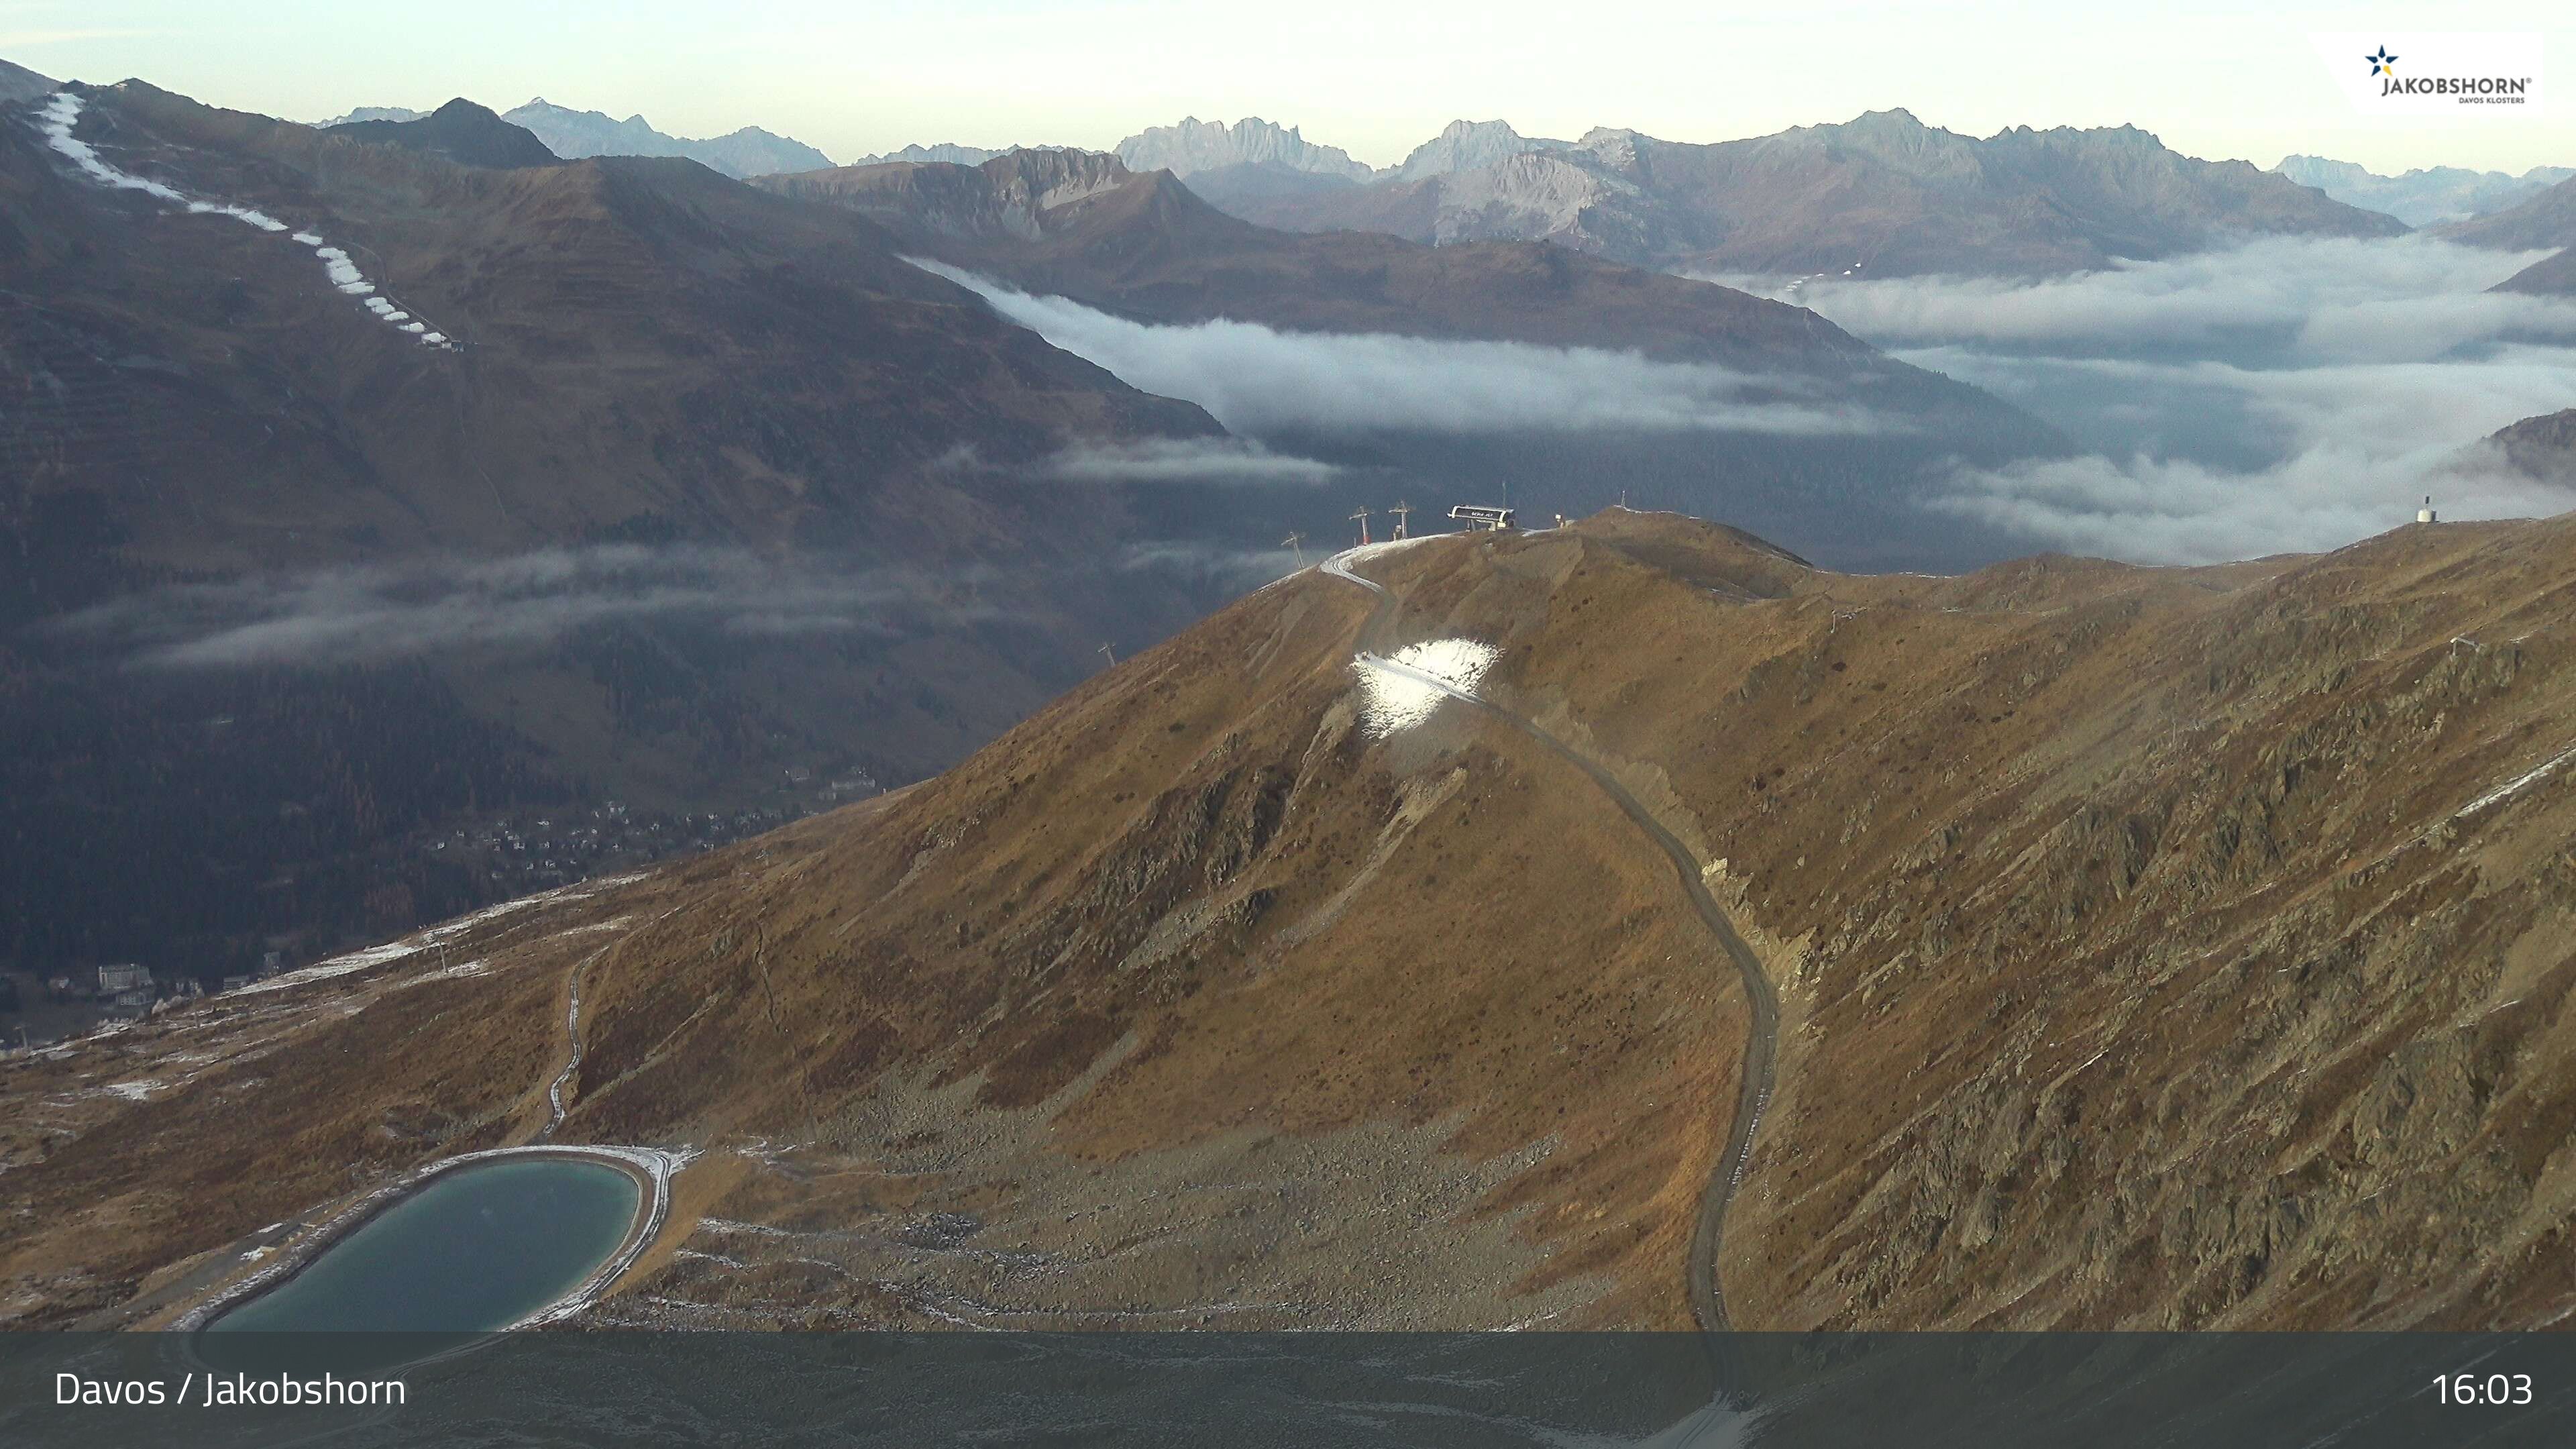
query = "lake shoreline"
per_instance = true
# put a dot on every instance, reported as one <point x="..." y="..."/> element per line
<point x="650" y="1169"/>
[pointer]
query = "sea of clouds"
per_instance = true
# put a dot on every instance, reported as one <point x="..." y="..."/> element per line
<point x="1261" y="381"/>
<point x="2286" y="395"/>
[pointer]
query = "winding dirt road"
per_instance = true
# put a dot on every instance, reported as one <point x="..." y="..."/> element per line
<point x="1762" y="1042"/>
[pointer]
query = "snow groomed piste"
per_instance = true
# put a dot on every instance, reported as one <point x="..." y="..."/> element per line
<point x="62" y="112"/>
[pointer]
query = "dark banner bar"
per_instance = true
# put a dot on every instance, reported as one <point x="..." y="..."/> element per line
<point x="1919" y="1391"/>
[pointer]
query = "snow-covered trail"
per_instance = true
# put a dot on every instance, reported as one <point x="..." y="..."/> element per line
<point x="61" y="114"/>
<point x="555" y="1109"/>
<point x="2515" y="787"/>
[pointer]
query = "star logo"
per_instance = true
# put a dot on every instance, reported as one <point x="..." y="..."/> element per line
<point x="2382" y="63"/>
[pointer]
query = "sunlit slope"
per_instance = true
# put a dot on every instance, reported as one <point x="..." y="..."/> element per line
<point x="2152" y="947"/>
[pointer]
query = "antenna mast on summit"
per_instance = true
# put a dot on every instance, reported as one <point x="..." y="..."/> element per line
<point x="1296" y="542"/>
<point x="1363" y="516"/>
<point x="1402" y="510"/>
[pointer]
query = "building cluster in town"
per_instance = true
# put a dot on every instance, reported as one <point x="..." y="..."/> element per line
<point x="516" y="854"/>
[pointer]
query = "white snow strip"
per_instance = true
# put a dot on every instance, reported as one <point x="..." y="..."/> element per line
<point x="1402" y="691"/>
<point x="727" y="1225"/>
<point x="445" y="973"/>
<point x="2515" y="788"/>
<point x="1350" y="556"/>
<point x="132" y="1091"/>
<point x="62" y="112"/>
<point x="260" y="219"/>
<point x="336" y="966"/>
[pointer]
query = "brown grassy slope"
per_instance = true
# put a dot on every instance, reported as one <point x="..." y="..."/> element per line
<point x="2137" y="964"/>
<point x="2150" y="978"/>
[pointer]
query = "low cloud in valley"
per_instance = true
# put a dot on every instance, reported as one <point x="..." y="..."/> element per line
<point x="1260" y="381"/>
<point x="2283" y="396"/>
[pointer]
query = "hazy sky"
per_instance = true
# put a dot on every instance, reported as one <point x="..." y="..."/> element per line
<point x="1373" y="77"/>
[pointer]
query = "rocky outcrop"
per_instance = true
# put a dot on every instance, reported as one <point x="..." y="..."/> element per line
<point x="1883" y="193"/>
<point x="1195" y="145"/>
<point x="1469" y="146"/>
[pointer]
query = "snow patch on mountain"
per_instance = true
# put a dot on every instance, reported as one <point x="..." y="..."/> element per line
<point x="1404" y="689"/>
<point x="61" y="114"/>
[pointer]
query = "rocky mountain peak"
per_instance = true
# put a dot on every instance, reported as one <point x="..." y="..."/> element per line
<point x="1468" y="146"/>
<point x="1195" y="145"/>
<point x="461" y="131"/>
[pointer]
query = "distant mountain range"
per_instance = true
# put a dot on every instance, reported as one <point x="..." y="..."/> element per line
<point x="460" y="131"/>
<point x="1195" y="145"/>
<point x="2540" y="222"/>
<point x="2422" y="197"/>
<point x="1145" y="248"/>
<point x="947" y="152"/>
<point x="1883" y="195"/>
<point x="572" y="134"/>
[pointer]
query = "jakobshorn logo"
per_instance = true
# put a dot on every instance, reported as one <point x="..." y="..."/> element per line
<point x="2456" y="74"/>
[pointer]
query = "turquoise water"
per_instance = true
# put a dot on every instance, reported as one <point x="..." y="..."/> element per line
<point x="478" y="1249"/>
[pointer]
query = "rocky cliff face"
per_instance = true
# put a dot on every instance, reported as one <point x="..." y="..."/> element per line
<point x="1013" y="196"/>
<point x="1469" y="146"/>
<point x="946" y="153"/>
<point x="1195" y="145"/>
<point x="1883" y="193"/>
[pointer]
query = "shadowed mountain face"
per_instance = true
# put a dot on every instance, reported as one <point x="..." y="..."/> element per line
<point x="2544" y="447"/>
<point x="17" y="83"/>
<point x="459" y="131"/>
<point x="2546" y="220"/>
<point x="2152" y="948"/>
<point x="1883" y="195"/>
<point x="636" y="339"/>
<point x="610" y="479"/>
